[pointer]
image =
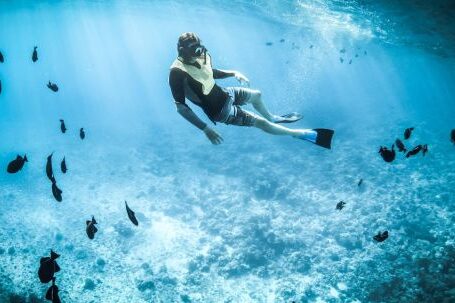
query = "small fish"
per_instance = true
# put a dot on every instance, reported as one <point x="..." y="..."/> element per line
<point x="35" y="54"/>
<point x="386" y="154"/>
<point x="356" y="55"/>
<point x="380" y="237"/>
<point x="414" y="151"/>
<point x="365" y="53"/>
<point x="82" y="133"/>
<point x="350" y="61"/>
<point x="282" y="40"/>
<point x="62" y="126"/>
<point x="0" y="86"/>
<point x="48" y="267"/>
<point x="91" y="228"/>
<point x="340" y="205"/>
<point x="52" y="293"/>
<point x="424" y="149"/>
<point x="341" y="60"/>
<point x="452" y="136"/>
<point x="360" y="182"/>
<point x="17" y="164"/>
<point x="52" y="86"/>
<point x="63" y="166"/>
<point x="131" y="215"/>
<point x="408" y="132"/>
<point x="56" y="192"/>
<point x="2" y="59"/>
<point x="400" y="145"/>
<point x="268" y="43"/>
<point x="311" y="46"/>
<point x="342" y="51"/>
<point x="49" y="170"/>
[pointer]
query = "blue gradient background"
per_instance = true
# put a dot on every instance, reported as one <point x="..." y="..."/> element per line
<point x="251" y="220"/>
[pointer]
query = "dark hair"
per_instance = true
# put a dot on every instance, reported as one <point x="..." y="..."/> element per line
<point x="184" y="40"/>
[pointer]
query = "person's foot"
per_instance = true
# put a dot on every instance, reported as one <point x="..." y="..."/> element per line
<point x="287" y="118"/>
<point x="306" y="134"/>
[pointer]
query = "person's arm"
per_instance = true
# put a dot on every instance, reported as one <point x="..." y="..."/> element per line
<point x="190" y="116"/>
<point x="176" y="82"/>
<point x="222" y="74"/>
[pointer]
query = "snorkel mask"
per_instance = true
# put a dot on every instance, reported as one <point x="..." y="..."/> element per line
<point x="189" y="46"/>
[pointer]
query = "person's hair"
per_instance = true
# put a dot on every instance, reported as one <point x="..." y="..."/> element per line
<point x="184" y="40"/>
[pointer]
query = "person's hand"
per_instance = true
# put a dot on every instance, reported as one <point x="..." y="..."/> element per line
<point x="213" y="136"/>
<point x="242" y="79"/>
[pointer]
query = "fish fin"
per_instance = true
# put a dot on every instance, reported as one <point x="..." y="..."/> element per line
<point x="54" y="255"/>
<point x="57" y="268"/>
<point x="87" y="222"/>
<point x="49" y="293"/>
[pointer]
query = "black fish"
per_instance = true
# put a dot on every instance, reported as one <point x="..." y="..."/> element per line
<point x="1" y="58"/>
<point x="131" y="215"/>
<point x="62" y="126"/>
<point x="281" y="40"/>
<point x="48" y="266"/>
<point x="52" y="293"/>
<point x="311" y="46"/>
<point x="17" y="164"/>
<point x="350" y="61"/>
<point x="82" y="133"/>
<point x="341" y="60"/>
<point x="49" y="170"/>
<point x="452" y="136"/>
<point x="269" y="43"/>
<point x="360" y="182"/>
<point x="91" y="229"/>
<point x="342" y="51"/>
<point x="340" y="205"/>
<point x="35" y="54"/>
<point x="63" y="166"/>
<point x="381" y="236"/>
<point x="56" y="192"/>
<point x="414" y="151"/>
<point x="407" y="133"/>
<point x="424" y="149"/>
<point x="400" y="145"/>
<point x="356" y="55"/>
<point x="52" y="86"/>
<point x="386" y="154"/>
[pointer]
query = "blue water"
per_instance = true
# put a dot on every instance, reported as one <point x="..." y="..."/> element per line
<point x="250" y="220"/>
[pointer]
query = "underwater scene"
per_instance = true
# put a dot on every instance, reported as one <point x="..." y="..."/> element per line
<point x="227" y="151"/>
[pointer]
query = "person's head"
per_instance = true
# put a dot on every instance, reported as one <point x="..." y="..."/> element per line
<point x="189" y="47"/>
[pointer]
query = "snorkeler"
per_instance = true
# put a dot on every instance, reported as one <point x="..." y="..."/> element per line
<point x="193" y="77"/>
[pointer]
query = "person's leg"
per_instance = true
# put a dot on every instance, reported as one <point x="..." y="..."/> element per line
<point x="255" y="99"/>
<point x="276" y="129"/>
<point x="240" y="117"/>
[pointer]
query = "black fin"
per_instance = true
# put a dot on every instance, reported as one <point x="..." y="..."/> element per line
<point x="131" y="215"/>
<point x="54" y="255"/>
<point x="324" y="137"/>
<point x="57" y="268"/>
